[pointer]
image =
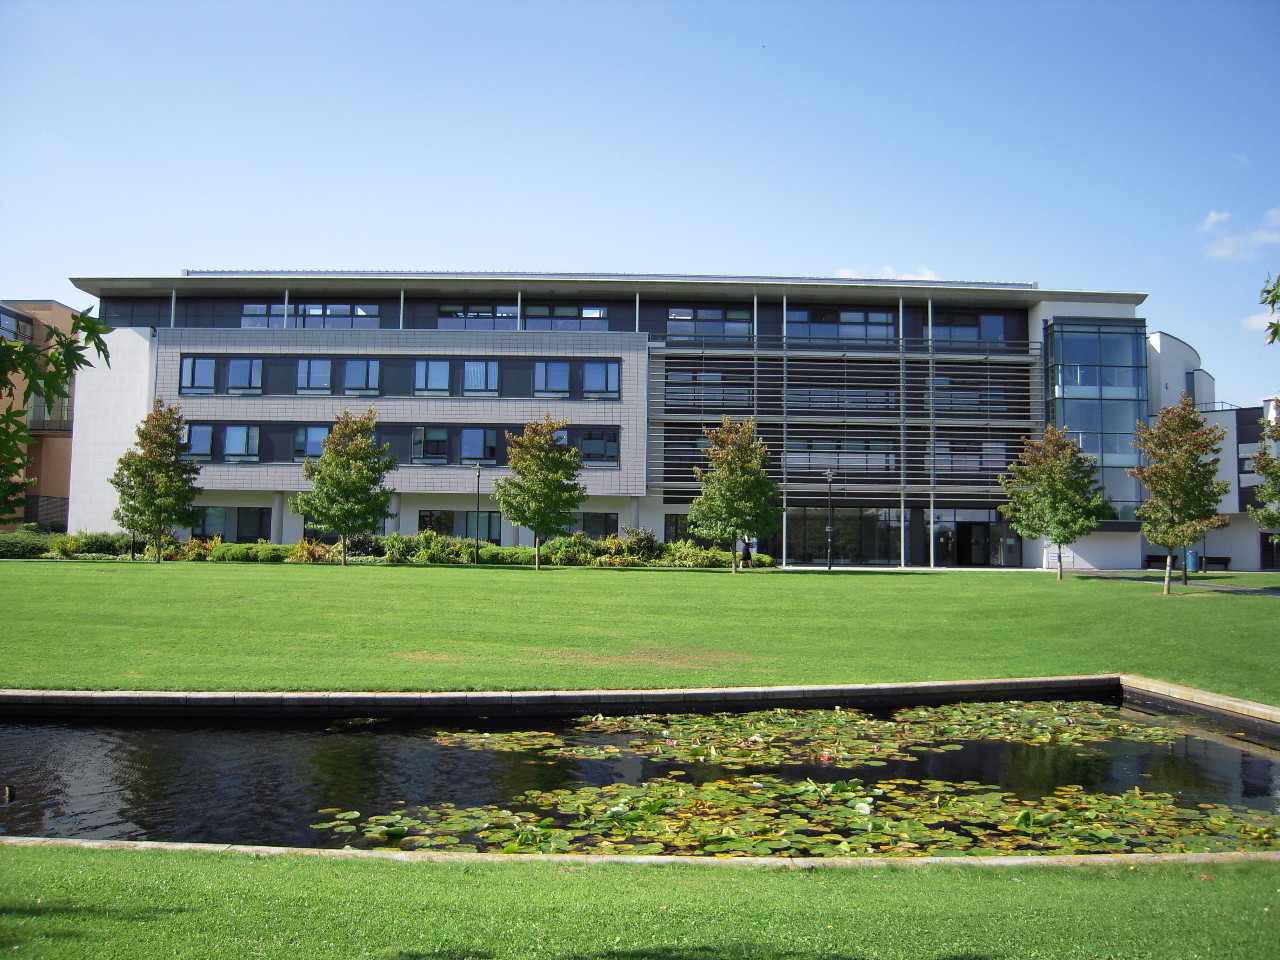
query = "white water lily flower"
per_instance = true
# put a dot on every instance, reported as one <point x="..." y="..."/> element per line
<point x="862" y="809"/>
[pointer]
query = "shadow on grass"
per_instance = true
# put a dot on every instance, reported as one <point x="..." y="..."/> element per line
<point x="704" y="952"/>
<point x="11" y="935"/>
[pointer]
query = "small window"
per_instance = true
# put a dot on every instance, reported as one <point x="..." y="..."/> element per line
<point x="487" y="525"/>
<point x="430" y="445"/>
<point x="599" y="446"/>
<point x="240" y="444"/>
<point x="479" y="445"/>
<point x="315" y="376"/>
<point x="480" y="378"/>
<point x="437" y="521"/>
<point x="600" y="380"/>
<point x="199" y="440"/>
<point x="309" y="442"/>
<point x="551" y="378"/>
<point x="360" y="378"/>
<point x="244" y="375"/>
<point x="597" y="526"/>
<point x="431" y="378"/>
<point x="212" y="523"/>
<point x="197" y="375"/>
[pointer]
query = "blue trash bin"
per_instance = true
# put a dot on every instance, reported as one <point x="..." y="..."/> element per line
<point x="1193" y="561"/>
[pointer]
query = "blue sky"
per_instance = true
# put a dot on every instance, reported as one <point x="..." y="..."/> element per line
<point x="1081" y="145"/>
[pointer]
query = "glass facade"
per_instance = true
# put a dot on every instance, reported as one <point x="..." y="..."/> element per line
<point x="1097" y="391"/>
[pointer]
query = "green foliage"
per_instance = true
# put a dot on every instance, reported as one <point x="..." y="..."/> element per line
<point x="154" y="480"/>
<point x="24" y="545"/>
<point x="435" y="548"/>
<point x="1052" y="490"/>
<point x="115" y="544"/>
<point x="543" y="489"/>
<point x="307" y="551"/>
<point x="686" y="553"/>
<point x="1270" y="297"/>
<point x="347" y="495"/>
<point x="641" y="542"/>
<point x="1266" y="464"/>
<point x="575" y="550"/>
<point x="45" y="370"/>
<point x="737" y="499"/>
<point x="260" y="552"/>
<point x="1179" y="471"/>
<point x="397" y="548"/>
<point x="197" y="549"/>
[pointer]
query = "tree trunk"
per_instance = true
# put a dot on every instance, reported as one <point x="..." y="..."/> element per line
<point x="1184" y="566"/>
<point x="159" y="542"/>
<point x="342" y="543"/>
<point x="537" y="552"/>
<point x="733" y="555"/>
<point x="1059" y="546"/>
<point x="1168" y="571"/>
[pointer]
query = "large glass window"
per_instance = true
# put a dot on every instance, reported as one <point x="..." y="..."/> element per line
<point x="311" y="316"/>
<point x="197" y="375"/>
<point x="212" y="523"/>
<point x="477" y="316"/>
<point x="431" y="378"/>
<point x="436" y="521"/>
<point x="244" y="375"/>
<point x="838" y="326"/>
<point x="240" y="443"/>
<point x="566" y="317"/>
<point x="199" y="440"/>
<point x="600" y="380"/>
<point x="309" y="442"/>
<point x="315" y="376"/>
<point x="551" y="378"/>
<point x="480" y="378"/>
<point x="360" y="378"/>
<point x="430" y="445"/>
<point x="479" y="445"/>
<point x="597" y="526"/>
<point x="708" y="323"/>
<point x="485" y="525"/>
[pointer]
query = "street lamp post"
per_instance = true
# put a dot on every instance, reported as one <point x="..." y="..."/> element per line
<point x="831" y="520"/>
<point x="476" y="557"/>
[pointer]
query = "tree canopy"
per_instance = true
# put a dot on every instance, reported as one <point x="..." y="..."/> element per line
<point x="1270" y="297"/>
<point x="154" y="479"/>
<point x="543" y="489"/>
<point x="1179" y="470"/>
<point x="347" y="496"/>
<point x="738" y="496"/>
<point x="1266" y="465"/>
<point x="40" y="371"/>
<point x="1053" y="491"/>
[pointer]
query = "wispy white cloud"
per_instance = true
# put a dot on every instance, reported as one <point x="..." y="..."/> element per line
<point x="1241" y="246"/>
<point x="1241" y="160"/>
<point x="888" y="273"/>
<point x="1213" y="221"/>
<point x="1258" y="321"/>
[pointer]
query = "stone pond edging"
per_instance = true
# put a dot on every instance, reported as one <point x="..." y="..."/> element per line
<point x="779" y="863"/>
<point x="1128" y="689"/>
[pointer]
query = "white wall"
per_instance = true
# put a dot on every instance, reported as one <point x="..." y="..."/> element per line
<point x="1099" y="551"/>
<point x="1169" y="360"/>
<point x="109" y="405"/>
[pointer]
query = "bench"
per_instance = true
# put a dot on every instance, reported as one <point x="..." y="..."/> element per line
<point x="1223" y="562"/>
<point x="1157" y="560"/>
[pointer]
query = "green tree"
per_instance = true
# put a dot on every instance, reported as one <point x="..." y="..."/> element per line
<point x="1053" y="492"/>
<point x="154" y="479"/>
<point x="40" y="371"/>
<point x="1180" y="464"/>
<point x="1267" y="466"/>
<point x="347" y="496"/>
<point x="1270" y="297"/>
<point x="737" y="499"/>
<point x="544" y="488"/>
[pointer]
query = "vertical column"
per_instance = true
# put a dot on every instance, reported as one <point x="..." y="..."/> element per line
<point x="902" y="435"/>
<point x="933" y="434"/>
<point x="402" y="308"/>
<point x="277" y="517"/>
<point x="173" y="308"/>
<point x="785" y="432"/>
<point x="393" y="522"/>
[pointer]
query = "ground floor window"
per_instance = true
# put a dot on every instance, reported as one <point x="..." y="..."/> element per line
<point x="861" y="536"/>
<point x="1269" y="553"/>
<point x="212" y="523"/>
<point x="596" y="525"/>
<point x="436" y="521"/>
<point x="311" y="532"/>
<point x="489" y="526"/>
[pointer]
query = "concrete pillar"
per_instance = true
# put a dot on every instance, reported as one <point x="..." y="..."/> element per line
<point x="278" y="507"/>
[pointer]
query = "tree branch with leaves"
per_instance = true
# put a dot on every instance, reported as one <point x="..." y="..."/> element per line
<point x="738" y="496"/>
<point x="37" y="371"/>
<point x="155" y="480"/>
<point x="543" y="490"/>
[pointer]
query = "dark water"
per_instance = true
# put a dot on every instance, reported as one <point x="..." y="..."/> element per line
<point x="220" y="784"/>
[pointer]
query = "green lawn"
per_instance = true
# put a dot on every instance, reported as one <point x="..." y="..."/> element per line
<point x="65" y="903"/>
<point x="298" y="627"/>
<point x="1264" y="580"/>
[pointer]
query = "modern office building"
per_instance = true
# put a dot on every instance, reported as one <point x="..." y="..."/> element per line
<point x="890" y="405"/>
<point x="48" y="420"/>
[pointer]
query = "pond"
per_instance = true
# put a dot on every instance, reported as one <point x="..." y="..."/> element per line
<point x="975" y="778"/>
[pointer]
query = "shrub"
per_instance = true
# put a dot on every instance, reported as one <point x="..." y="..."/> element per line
<point x="23" y="545"/>
<point x="399" y="549"/>
<point x="64" y="545"/>
<point x="306" y="551"/>
<point x="233" y="553"/>
<point x="434" y="548"/>
<point x="641" y="542"/>
<point x="620" y="560"/>
<point x="763" y="560"/>
<point x="198" y="548"/>
<point x="170" y="549"/>
<point x="364" y="545"/>
<point x="686" y="553"/>
<point x="116" y="544"/>
<point x="577" y="550"/>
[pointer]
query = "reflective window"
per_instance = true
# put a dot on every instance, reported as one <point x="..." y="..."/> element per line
<point x="566" y="318"/>
<point x="309" y="442"/>
<point x="196" y="375"/>
<point x="315" y="376"/>
<point x="477" y="316"/>
<point x="708" y="323"/>
<point x="244" y="375"/>
<point x="551" y="378"/>
<point x="430" y="445"/>
<point x="599" y="445"/>
<point x="360" y="378"/>
<point x="479" y="445"/>
<point x="600" y="380"/>
<point x="485" y="525"/>
<point x="431" y="378"/>
<point x="199" y="440"/>
<point x="212" y="523"/>
<point x="240" y="443"/>
<point x="830" y="325"/>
